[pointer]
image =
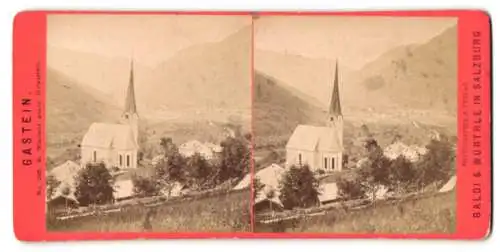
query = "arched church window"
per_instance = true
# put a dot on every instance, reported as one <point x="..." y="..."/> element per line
<point x="128" y="160"/>
<point x="300" y="159"/>
<point x="333" y="163"/>
<point x="121" y="160"/>
<point x="94" y="156"/>
<point x="326" y="163"/>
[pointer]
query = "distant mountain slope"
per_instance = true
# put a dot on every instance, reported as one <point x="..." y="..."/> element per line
<point x="213" y="77"/>
<point x="71" y="109"/>
<point x="415" y="76"/>
<point x="312" y="77"/>
<point x="277" y="111"/>
<point x="412" y="77"/>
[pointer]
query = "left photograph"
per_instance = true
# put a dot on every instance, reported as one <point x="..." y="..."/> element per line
<point x="148" y="123"/>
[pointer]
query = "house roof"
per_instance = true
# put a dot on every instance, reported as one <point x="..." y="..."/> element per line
<point x="412" y="152"/>
<point x="194" y="146"/>
<point x="65" y="174"/>
<point x="450" y="185"/>
<point x="310" y="138"/>
<point x="107" y="135"/>
<point x="268" y="176"/>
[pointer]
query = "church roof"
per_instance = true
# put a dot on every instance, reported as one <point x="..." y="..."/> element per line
<point x="130" y="99"/>
<point x="65" y="174"/>
<point x="335" y="108"/>
<point x="310" y="138"/>
<point x="107" y="135"/>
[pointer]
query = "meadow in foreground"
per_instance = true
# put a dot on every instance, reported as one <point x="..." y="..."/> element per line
<point x="431" y="214"/>
<point x="220" y="213"/>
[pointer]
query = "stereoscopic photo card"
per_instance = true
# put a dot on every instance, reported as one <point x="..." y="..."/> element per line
<point x="170" y="125"/>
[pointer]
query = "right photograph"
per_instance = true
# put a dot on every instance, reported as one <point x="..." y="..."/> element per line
<point x="354" y="124"/>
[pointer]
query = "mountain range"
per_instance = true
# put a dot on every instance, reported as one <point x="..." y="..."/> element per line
<point x="414" y="77"/>
<point x="211" y="76"/>
<point x="212" y="83"/>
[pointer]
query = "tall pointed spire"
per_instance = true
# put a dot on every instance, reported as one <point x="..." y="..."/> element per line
<point x="335" y="108"/>
<point x="130" y="106"/>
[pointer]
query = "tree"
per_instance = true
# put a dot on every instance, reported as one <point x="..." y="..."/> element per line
<point x="375" y="171"/>
<point x="298" y="188"/>
<point x="235" y="159"/>
<point x="436" y="164"/>
<point x="51" y="184"/>
<point x="170" y="168"/>
<point x="401" y="173"/>
<point x="145" y="187"/>
<point x="199" y="171"/>
<point x="94" y="185"/>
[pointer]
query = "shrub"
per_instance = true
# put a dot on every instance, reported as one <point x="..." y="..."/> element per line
<point x="145" y="187"/>
<point x="350" y="189"/>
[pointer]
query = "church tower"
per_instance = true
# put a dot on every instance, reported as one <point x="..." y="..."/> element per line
<point x="335" y="118"/>
<point x="130" y="115"/>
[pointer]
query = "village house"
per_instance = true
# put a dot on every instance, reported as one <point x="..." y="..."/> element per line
<point x="320" y="147"/>
<point x="115" y="144"/>
<point x="206" y="150"/>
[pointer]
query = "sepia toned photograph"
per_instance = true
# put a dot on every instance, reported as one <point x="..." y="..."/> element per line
<point x="355" y="124"/>
<point x="148" y="123"/>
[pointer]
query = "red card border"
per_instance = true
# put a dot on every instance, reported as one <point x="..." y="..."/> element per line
<point x="29" y="50"/>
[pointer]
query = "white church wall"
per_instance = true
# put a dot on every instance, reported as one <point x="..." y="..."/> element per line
<point x="110" y="157"/>
<point x="132" y="154"/>
<point x="88" y="156"/>
<point x="296" y="157"/>
<point x="333" y="161"/>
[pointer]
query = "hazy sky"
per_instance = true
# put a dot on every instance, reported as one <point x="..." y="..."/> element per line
<point x="354" y="40"/>
<point x="150" y="39"/>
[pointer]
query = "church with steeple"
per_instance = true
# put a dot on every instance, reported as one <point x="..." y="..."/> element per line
<point x="115" y="144"/>
<point x="320" y="147"/>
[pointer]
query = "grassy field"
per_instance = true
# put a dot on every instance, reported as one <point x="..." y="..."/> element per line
<point x="434" y="214"/>
<point x="221" y="213"/>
